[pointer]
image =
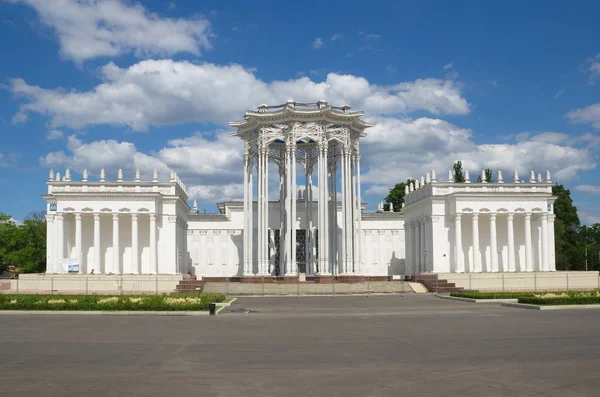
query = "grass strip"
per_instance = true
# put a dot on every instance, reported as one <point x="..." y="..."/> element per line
<point x="581" y="300"/>
<point x="181" y="302"/>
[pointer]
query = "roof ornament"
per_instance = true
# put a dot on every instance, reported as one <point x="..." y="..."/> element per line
<point x="58" y="177"/>
<point x="137" y="175"/>
<point x="321" y="103"/>
<point x="195" y="207"/>
<point x="380" y="206"/>
<point x="67" y="175"/>
<point x="172" y="176"/>
<point x="483" y="177"/>
<point x="422" y="181"/>
<point x="450" y="176"/>
<point x="412" y="187"/>
<point x="406" y="189"/>
<point x="548" y="178"/>
<point x="262" y="108"/>
<point x="433" y="176"/>
<point x="84" y="178"/>
<point x="391" y="207"/>
<point x="51" y="175"/>
<point x="467" y="177"/>
<point x="102" y="175"/>
<point x="155" y="176"/>
<point x="428" y="178"/>
<point x="120" y="175"/>
<point x="539" y="178"/>
<point x="346" y="108"/>
<point x="500" y="180"/>
<point x="516" y="176"/>
<point x="290" y="104"/>
<point x="531" y="176"/>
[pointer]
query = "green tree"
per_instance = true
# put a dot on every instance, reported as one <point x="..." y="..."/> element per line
<point x="570" y="246"/>
<point x="23" y="247"/>
<point x="458" y="172"/>
<point x="488" y="176"/>
<point x="396" y="195"/>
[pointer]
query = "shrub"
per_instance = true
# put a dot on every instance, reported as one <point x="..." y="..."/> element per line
<point x="103" y="302"/>
<point x="578" y="300"/>
<point x="491" y="295"/>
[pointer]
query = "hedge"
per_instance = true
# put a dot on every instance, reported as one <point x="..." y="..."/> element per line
<point x="109" y="302"/>
<point x="492" y="295"/>
<point x="581" y="300"/>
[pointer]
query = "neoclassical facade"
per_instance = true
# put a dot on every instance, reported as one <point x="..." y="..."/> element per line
<point x="480" y="227"/>
<point x="318" y="225"/>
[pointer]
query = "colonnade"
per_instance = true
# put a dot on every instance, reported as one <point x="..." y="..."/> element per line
<point x="58" y="244"/>
<point x="419" y="235"/>
<point x="332" y="256"/>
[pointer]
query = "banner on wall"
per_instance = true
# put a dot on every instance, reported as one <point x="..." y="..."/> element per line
<point x="68" y="265"/>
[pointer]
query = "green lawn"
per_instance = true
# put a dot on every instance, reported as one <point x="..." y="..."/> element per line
<point x="181" y="302"/>
<point x="539" y="298"/>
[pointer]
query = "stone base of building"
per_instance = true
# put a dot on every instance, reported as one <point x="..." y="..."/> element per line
<point x="525" y="281"/>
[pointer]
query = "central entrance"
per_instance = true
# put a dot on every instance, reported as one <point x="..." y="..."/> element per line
<point x="302" y="253"/>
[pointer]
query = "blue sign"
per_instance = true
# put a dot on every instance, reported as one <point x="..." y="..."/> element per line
<point x="53" y="207"/>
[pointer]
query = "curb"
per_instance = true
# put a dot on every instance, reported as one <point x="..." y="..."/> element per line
<point x="105" y="313"/>
<point x="324" y="295"/>
<point x="551" y="307"/>
<point x="471" y="300"/>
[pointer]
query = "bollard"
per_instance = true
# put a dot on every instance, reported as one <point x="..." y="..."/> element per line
<point x="212" y="308"/>
<point x="567" y="274"/>
<point x="298" y="284"/>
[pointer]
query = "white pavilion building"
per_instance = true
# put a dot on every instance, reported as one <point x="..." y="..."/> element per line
<point x="318" y="227"/>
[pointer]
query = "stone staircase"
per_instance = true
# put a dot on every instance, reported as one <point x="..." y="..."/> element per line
<point x="189" y="285"/>
<point x="435" y="284"/>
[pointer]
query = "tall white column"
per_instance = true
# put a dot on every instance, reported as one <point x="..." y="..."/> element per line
<point x="60" y="241"/>
<point x="343" y="248"/>
<point x="153" y="263"/>
<point x="116" y="251"/>
<point x="551" y="254"/>
<point x="417" y="246"/>
<point x="333" y="259"/>
<point x="247" y="213"/>
<point x="423" y="247"/>
<point x="348" y="200"/>
<point x="311" y="233"/>
<point x="493" y="245"/>
<point x="459" y="265"/>
<point x="544" y="265"/>
<point x="282" y="214"/>
<point x="289" y="270"/>
<point x="326" y="269"/>
<point x="476" y="252"/>
<point x="511" y="242"/>
<point x="359" y="215"/>
<point x="50" y="251"/>
<point x="259" y="203"/>
<point x="266" y="235"/>
<point x="294" y="216"/>
<point x="78" y="247"/>
<point x="97" y="264"/>
<point x="135" y="267"/>
<point x="528" y="247"/>
<point x="354" y="265"/>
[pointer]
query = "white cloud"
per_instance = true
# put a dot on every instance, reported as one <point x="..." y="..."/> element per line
<point x="550" y="137"/>
<point x="587" y="115"/>
<point x="494" y="83"/>
<point x="588" y="189"/>
<point x="318" y="43"/>
<point x="559" y="93"/>
<point x="589" y="217"/>
<point x="412" y="147"/>
<point x="87" y="29"/>
<point x="378" y="190"/>
<point x="18" y="118"/>
<point x="448" y="66"/>
<point x="336" y="36"/>
<point x="8" y="160"/>
<point x="163" y="92"/>
<point x="594" y="67"/>
<point x="369" y="36"/>
<point x="212" y="169"/>
<point x="54" y="135"/>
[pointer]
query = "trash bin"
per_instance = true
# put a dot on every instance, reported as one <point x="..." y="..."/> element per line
<point x="212" y="308"/>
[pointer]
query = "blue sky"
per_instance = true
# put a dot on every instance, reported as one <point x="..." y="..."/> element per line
<point x="122" y="84"/>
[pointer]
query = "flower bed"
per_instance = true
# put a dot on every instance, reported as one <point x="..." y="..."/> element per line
<point x="564" y="298"/>
<point x="491" y="295"/>
<point x="107" y="302"/>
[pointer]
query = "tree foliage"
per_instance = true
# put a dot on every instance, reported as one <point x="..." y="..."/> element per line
<point x="458" y="172"/>
<point x="23" y="246"/>
<point x="396" y="195"/>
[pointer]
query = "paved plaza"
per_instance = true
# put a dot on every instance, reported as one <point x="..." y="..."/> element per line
<point x="311" y="346"/>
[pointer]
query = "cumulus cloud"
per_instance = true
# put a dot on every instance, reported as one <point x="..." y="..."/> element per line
<point x="412" y="147"/>
<point x="588" y="189"/>
<point x="448" y="66"/>
<point x="587" y="115"/>
<point x="594" y="67"/>
<point x="336" y="36"/>
<point x="54" y="135"/>
<point x="318" y="43"/>
<point x="212" y="169"/>
<point x="7" y="160"/>
<point x="87" y="29"/>
<point x="163" y="92"/>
